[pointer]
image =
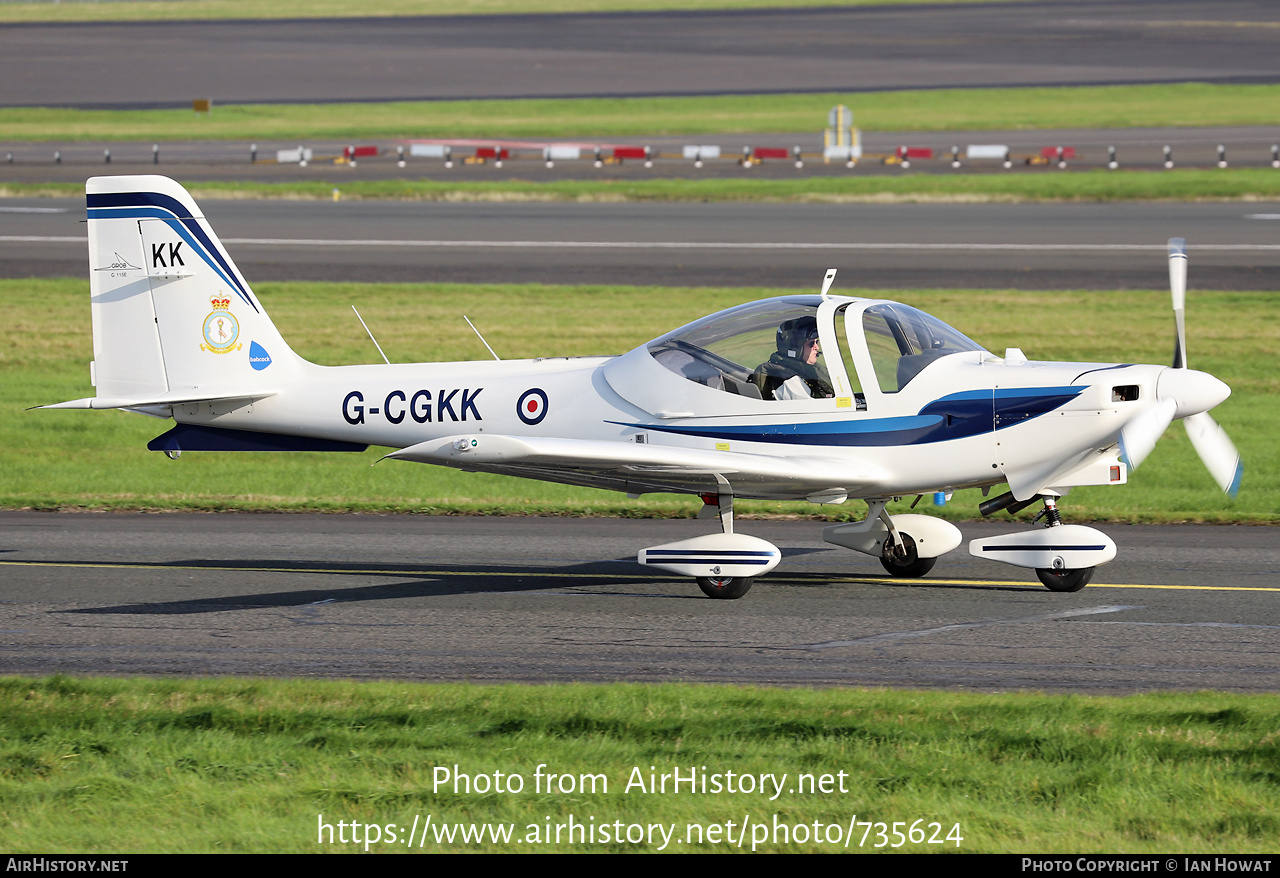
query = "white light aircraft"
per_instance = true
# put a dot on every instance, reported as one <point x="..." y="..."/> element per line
<point x="737" y="404"/>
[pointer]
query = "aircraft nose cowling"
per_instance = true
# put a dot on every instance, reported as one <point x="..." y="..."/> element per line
<point x="1193" y="391"/>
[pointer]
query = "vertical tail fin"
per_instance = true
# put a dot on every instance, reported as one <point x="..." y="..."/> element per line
<point x="171" y="312"/>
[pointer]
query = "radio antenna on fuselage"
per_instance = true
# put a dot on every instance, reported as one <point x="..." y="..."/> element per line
<point x="481" y="337"/>
<point x="371" y="338"/>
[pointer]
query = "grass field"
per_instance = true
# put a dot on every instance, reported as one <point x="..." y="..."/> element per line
<point x="68" y="459"/>
<point x="1129" y="106"/>
<point x="175" y="10"/>
<point x="191" y="766"/>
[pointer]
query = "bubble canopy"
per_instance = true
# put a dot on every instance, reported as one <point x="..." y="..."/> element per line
<point x="727" y="350"/>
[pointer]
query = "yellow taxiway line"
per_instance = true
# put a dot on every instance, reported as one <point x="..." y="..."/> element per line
<point x="871" y="580"/>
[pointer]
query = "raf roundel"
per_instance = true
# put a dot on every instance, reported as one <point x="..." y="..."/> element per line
<point x="532" y="406"/>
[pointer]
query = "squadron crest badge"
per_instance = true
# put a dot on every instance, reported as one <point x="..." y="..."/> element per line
<point x="221" y="329"/>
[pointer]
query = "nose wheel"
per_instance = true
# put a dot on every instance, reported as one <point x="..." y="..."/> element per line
<point x="1064" y="580"/>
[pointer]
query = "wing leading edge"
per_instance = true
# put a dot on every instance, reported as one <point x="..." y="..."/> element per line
<point x="643" y="468"/>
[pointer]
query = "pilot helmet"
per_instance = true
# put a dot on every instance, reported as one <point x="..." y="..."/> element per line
<point x="793" y="333"/>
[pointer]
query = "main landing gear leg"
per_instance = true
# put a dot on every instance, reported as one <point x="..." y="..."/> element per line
<point x="1059" y="578"/>
<point x="718" y="506"/>
<point x="724" y="564"/>
<point x="724" y="587"/>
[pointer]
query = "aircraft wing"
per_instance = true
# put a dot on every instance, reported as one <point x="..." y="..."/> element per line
<point x="644" y="468"/>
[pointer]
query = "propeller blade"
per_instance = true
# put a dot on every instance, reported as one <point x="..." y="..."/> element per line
<point x="1210" y="441"/>
<point x="1178" y="287"/>
<point x="1139" y="436"/>
<point x="1216" y="451"/>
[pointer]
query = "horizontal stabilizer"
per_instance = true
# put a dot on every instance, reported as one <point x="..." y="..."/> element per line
<point x="173" y="397"/>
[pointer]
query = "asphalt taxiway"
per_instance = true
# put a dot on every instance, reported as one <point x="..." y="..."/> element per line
<point x="536" y="599"/>
<point x="865" y="48"/>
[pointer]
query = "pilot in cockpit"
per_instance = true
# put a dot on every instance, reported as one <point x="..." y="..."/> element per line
<point x="793" y="371"/>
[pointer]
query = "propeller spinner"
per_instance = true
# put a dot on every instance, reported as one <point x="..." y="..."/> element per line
<point x="1187" y="394"/>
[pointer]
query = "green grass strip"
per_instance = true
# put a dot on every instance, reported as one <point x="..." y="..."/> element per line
<point x="102" y="766"/>
<point x="186" y="10"/>
<point x="98" y="460"/>
<point x="1185" y="184"/>
<point x="1122" y="106"/>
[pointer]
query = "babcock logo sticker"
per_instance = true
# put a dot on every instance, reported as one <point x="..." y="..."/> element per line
<point x="532" y="406"/>
<point x="259" y="359"/>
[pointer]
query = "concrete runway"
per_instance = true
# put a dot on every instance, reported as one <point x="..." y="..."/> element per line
<point x="1066" y="42"/>
<point x="1232" y="245"/>
<point x="527" y="599"/>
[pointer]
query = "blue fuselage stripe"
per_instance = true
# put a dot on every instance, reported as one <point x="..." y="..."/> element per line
<point x="956" y="416"/>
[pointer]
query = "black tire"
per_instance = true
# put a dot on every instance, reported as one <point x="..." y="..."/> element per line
<point x="728" y="588"/>
<point x="1065" y="580"/>
<point x="909" y="566"/>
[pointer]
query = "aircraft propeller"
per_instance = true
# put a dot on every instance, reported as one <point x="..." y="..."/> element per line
<point x="1187" y="394"/>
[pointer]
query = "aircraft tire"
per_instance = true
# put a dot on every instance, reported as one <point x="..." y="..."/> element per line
<point x="910" y="567"/>
<point x="1065" y="580"/>
<point x="728" y="588"/>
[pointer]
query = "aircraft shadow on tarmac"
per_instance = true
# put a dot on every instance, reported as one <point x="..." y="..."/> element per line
<point x="445" y="579"/>
<point x="441" y="580"/>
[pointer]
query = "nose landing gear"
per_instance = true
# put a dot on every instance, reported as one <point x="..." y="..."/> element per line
<point x="1063" y="555"/>
<point x="1058" y="578"/>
